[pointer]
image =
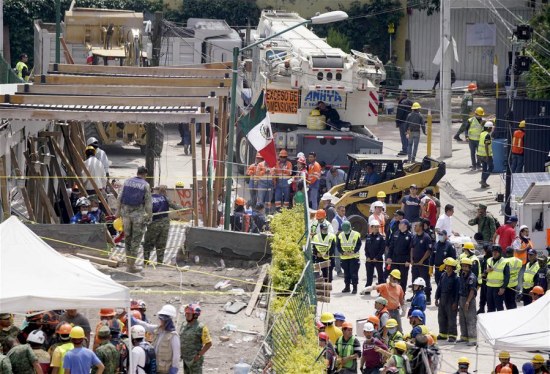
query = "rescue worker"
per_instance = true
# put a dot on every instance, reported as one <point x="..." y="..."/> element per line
<point x="487" y="254"/>
<point x="446" y="299"/>
<point x="36" y="340"/>
<point x="506" y="234"/>
<point x="333" y="332"/>
<point x="237" y="218"/>
<point x="7" y="329"/>
<point x="96" y="170"/>
<point x="522" y="244"/>
<point x="515" y="265"/>
<point x="468" y="251"/>
<point x="329" y="353"/>
<point x="166" y="340"/>
<point x="393" y="335"/>
<point x="349" y="244"/>
<point x="282" y="175"/>
<point x="320" y="217"/>
<point x="21" y="68"/>
<point x="80" y="360"/>
<point x="348" y="350"/>
<point x="312" y="179"/>
<point x="195" y="340"/>
<point x="337" y="229"/>
<point x="518" y="148"/>
<point x="541" y="278"/>
<point x="410" y="204"/>
<point x="371" y="358"/>
<point x="415" y="122"/>
<point x="265" y="184"/>
<point x="156" y="236"/>
<point x="485" y="223"/>
<point x="95" y="209"/>
<point x="65" y="344"/>
<point x="107" y="352"/>
<point x="467" y="316"/>
<point x="463" y="365"/>
<point x="538" y="364"/>
<point x="324" y="245"/>
<point x="383" y="315"/>
<point x="421" y="251"/>
<point x="252" y="173"/>
<point x="442" y="249"/>
<point x="327" y="205"/>
<point x="379" y="216"/>
<point x="403" y="109"/>
<point x="21" y="357"/>
<point x="75" y="318"/>
<point x="498" y="276"/>
<point x="504" y="358"/>
<point x="107" y="318"/>
<point x="258" y="221"/>
<point x="393" y="293"/>
<point x="375" y="245"/>
<point x="99" y="154"/>
<point x="339" y="318"/>
<point x="416" y="319"/>
<point x="398" y="360"/>
<point x="531" y="270"/>
<point x="136" y="209"/>
<point x="485" y="153"/>
<point x="466" y="108"/>
<point x="536" y="293"/>
<point x="143" y="353"/>
<point x="399" y="254"/>
<point x="475" y="127"/>
<point x="84" y="215"/>
<point x="418" y="301"/>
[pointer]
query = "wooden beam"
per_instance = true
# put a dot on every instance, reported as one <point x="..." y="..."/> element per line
<point x="193" y="129"/>
<point x="132" y="81"/>
<point x="98" y="260"/>
<point x="41" y="191"/>
<point x="257" y="290"/>
<point x="24" y="191"/>
<point x="69" y="167"/>
<point x="137" y="71"/>
<point x="6" y="208"/>
<point x="100" y="116"/>
<point x="152" y="101"/>
<point x="66" y="51"/>
<point x="75" y="89"/>
<point x="63" y="188"/>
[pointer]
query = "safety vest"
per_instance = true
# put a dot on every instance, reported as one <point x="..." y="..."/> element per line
<point x="283" y="171"/>
<point x="529" y="275"/>
<point x="475" y="129"/>
<point x="163" y="349"/>
<point x="133" y="192"/>
<point x="348" y="244"/>
<point x="322" y="249"/>
<point x="399" y="364"/>
<point x="398" y="336"/>
<point x="19" y="67"/>
<point x="517" y="142"/>
<point x="64" y="348"/>
<point x="379" y="314"/>
<point x="522" y="253"/>
<point x="346" y="351"/>
<point x="382" y="220"/>
<point x="481" y="151"/>
<point x="495" y="278"/>
<point x="515" y="266"/>
<point x="474" y="258"/>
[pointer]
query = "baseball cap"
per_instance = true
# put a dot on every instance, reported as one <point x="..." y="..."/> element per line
<point x="406" y="222"/>
<point x="443" y="232"/>
<point x="512" y="219"/>
<point x="399" y="212"/>
<point x="413" y="186"/>
<point x="532" y="252"/>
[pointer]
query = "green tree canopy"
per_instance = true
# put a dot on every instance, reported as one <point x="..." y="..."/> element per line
<point x="538" y="80"/>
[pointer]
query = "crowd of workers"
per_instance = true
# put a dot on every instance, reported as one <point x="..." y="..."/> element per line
<point x="59" y="342"/>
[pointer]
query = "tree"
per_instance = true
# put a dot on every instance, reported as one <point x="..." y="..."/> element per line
<point x="234" y="12"/>
<point x="338" y="40"/>
<point x="430" y="6"/>
<point x="538" y="80"/>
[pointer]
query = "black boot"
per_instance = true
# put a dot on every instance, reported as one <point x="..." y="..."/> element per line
<point x="354" y="291"/>
<point x="346" y="289"/>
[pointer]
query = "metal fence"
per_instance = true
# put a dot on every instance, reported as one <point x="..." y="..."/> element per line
<point x="7" y="74"/>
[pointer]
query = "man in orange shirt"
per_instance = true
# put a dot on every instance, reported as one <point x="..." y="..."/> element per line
<point x="313" y="176"/>
<point x="393" y="293"/>
<point x="253" y="181"/>
<point x="265" y="184"/>
<point x="518" y="145"/>
<point x="282" y="174"/>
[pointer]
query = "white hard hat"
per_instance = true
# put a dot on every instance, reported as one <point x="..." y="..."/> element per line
<point x="489" y="124"/>
<point x="138" y="332"/>
<point x="378" y="203"/>
<point x="369" y="327"/>
<point x="327" y="196"/>
<point x="374" y="222"/>
<point x="37" y="336"/>
<point x="91" y="140"/>
<point x="168" y="310"/>
<point x="419" y="282"/>
<point x="83" y="201"/>
<point x="523" y="227"/>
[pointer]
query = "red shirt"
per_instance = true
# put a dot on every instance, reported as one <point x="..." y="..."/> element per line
<point x="506" y="235"/>
<point x="430" y="212"/>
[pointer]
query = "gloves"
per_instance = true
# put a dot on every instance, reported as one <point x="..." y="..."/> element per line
<point x="173" y="370"/>
<point x="431" y="271"/>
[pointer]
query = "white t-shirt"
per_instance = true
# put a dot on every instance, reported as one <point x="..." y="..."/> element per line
<point x="444" y="222"/>
<point x="335" y="224"/>
<point x="138" y="359"/>
<point x="97" y="172"/>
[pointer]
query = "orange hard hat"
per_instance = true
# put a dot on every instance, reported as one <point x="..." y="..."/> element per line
<point x="259" y="156"/>
<point x="538" y="290"/>
<point x="107" y="312"/>
<point x="472" y="87"/>
<point x="374" y="320"/>
<point x="321" y="214"/>
<point x="431" y="341"/>
<point x="64" y="329"/>
<point x="283" y="153"/>
<point x="239" y="201"/>
<point x="136" y="314"/>
<point x="347" y="325"/>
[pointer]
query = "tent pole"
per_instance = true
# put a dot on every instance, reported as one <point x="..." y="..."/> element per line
<point x="129" y="330"/>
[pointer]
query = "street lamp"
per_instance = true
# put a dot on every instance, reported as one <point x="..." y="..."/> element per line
<point x="320" y="19"/>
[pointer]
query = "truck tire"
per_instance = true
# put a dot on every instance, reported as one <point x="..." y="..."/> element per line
<point x="90" y="129"/>
<point x="359" y="224"/>
<point x="159" y="140"/>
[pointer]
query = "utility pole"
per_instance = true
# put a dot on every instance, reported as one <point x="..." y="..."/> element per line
<point x="2" y="28"/>
<point x="57" y="31"/>
<point x="508" y="127"/>
<point x="445" y="136"/>
<point x="156" y="38"/>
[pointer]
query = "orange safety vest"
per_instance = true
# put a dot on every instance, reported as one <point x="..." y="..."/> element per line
<point x="313" y="172"/>
<point x="522" y="252"/>
<point x="517" y="142"/>
<point x="283" y="171"/>
<point x="382" y="220"/>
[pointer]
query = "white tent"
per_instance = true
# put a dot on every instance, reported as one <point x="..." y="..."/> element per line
<point x="521" y="329"/>
<point x="33" y="276"/>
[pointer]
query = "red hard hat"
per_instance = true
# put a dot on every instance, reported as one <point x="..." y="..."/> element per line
<point x="321" y="214"/>
<point x="374" y="320"/>
<point x="323" y="336"/>
<point x="239" y="201"/>
<point x="107" y="312"/>
<point x="472" y="87"/>
<point x="319" y="325"/>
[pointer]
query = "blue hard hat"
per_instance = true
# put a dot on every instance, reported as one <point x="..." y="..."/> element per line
<point x="339" y="316"/>
<point x="418" y="313"/>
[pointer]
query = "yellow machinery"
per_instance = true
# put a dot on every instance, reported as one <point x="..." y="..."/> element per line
<point x="395" y="178"/>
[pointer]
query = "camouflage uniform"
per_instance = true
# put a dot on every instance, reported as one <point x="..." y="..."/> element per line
<point x="5" y="365"/>
<point x="157" y="234"/>
<point x="393" y="77"/>
<point x="22" y="359"/>
<point x="466" y="109"/>
<point x="109" y="356"/>
<point x="13" y="331"/>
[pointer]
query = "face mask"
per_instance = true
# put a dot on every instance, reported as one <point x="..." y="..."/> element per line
<point x="95" y="208"/>
<point x="84" y="212"/>
<point x="441" y="238"/>
<point x="392" y="331"/>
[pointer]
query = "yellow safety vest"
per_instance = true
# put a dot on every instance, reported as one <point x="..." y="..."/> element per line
<point x="19" y="68"/>
<point x="481" y="146"/>
<point x="495" y="278"/>
<point x="475" y="129"/>
<point x="474" y="258"/>
<point x="348" y="244"/>
<point x="64" y="348"/>
<point x="515" y="266"/>
<point x="529" y="275"/>
<point x="322" y="249"/>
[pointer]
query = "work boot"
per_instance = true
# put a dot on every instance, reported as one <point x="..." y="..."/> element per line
<point x="479" y="311"/>
<point x="451" y="340"/>
<point x="346" y="289"/>
<point x="484" y="185"/>
<point x="473" y="167"/>
<point x="457" y="138"/>
<point x="354" y="291"/>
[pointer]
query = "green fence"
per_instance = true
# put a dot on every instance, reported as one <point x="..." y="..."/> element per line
<point x="7" y="74"/>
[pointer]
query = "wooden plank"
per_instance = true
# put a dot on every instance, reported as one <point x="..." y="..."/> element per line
<point x="257" y="290"/>
<point x="75" y="89"/>
<point x="4" y="188"/>
<point x="137" y="71"/>
<point x="46" y="202"/>
<point x="24" y="191"/>
<point x="193" y="131"/>
<point x="214" y="65"/>
<point x="66" y="51"/>
<point x="63" y="189"/>
<point x="69" y="167"/>
<point x="132" y="81"/>
<point x="98" y="260"/>
<point x="152" y="101"/>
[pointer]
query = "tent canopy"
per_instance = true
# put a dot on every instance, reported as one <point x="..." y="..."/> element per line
<point x="521" y="329"/>
<point x="34" y="276"/>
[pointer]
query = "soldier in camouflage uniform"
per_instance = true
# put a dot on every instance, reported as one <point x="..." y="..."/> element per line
<point x="466" y="109"/>
<point x="107" y="352"/>
<point x="5" y="363"/>
<point x="7" y="329"/>
<point x="393" y="76"/>
<point x="157" y="231"/>
<point x="195" y="340"/>
<point x="22" y="358"/>
<point x="135" y="207"/>
<point x="485" y="223"/>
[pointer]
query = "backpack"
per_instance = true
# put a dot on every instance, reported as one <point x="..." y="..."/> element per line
<point x="150" y="358"/>
<point x="124" y="361"/>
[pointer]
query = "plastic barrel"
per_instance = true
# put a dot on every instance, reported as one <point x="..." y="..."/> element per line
<point x="499" y="155"/>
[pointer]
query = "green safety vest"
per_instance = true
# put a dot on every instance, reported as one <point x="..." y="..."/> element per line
<point x="400" y="364"/>
<point x="346" y="351"/>
<point x="398" y="336"/>
<point x="496" y="277"/>
<point x="515" y="266"/>
<point x="322" y="249"/>
<point x="475" y="129"/>
<point x="481" y="146"/>
<point x="348" y="244"/>
<point x="529" y="275"/>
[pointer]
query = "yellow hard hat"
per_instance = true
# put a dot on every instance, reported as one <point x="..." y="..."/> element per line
<point x="464" y="360"/>
<point x="396" y="274"/>
<point x="327" y="317"/>
<point x="77" y="332"/>
<point x="118" y="224"/>
<point x="180" y="184"/>
<point x="522" y="124"/>
<point x="449" y="261"/>
<point x="480" y="111"/>
<point x="466" y="261"/>
<point x="391" y="323"/>
<point x="401" y="345"/>
<point x="537" y="359"/>
<point x="315" y="112"/>
<point x="381" y="194"/>
<point x="90" y="148"/>
<point x="416" y="106"/>
<point x="469" y="245"/>
<point x="504" y="354"/>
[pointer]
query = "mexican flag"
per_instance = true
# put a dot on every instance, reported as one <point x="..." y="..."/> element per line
<point x="257" y="128"/>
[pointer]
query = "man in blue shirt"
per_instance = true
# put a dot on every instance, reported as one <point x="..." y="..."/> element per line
<point x="80" y="359"/>
<point x="371" y="177"/>
<point x="410" y="204"/>
<point x="421" y="250"/>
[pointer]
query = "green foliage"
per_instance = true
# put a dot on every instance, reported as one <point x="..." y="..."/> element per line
<point x="19" y="16"/>
<point x="234" y="12"/>
<point x="538" y="81"/>
<point x="338" y="40"/>
<point x="430" y="6"/>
